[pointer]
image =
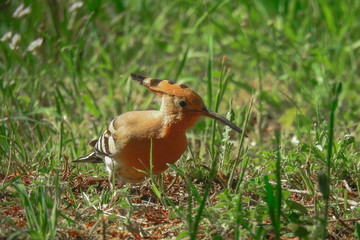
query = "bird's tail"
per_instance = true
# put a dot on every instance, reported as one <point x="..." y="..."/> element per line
<point x="90" y="158"/>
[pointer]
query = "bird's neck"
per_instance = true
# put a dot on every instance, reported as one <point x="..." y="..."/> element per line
<point x="178" y="123"/>
<point x="175" y="121"/>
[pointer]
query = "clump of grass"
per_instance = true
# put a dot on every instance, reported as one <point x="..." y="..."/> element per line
<point x="41" y="211"/>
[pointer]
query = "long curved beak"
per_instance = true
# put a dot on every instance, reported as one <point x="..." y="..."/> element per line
<point x="209" y="113"/>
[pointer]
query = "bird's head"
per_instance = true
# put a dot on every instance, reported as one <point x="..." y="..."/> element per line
<point x="180" y="100"/>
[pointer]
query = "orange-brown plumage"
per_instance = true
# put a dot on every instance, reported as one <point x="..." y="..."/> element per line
<point x="125" y="145"/>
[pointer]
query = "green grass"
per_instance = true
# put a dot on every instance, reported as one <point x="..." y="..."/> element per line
<point x="296" y="175"/>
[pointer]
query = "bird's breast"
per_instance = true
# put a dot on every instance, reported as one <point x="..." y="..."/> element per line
<point x="135" y="154"/>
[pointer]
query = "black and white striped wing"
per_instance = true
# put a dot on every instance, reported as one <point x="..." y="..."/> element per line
<point x="103" y="147"/>
<point x="106" y="143"/>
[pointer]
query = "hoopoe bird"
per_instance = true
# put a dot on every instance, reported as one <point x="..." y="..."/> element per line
<point x="125" y="145"/>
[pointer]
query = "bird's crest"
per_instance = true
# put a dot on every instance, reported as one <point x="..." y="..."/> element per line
<point x="160" y="86"/>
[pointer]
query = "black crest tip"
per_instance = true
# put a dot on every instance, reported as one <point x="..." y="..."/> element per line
<point x="137" y="77"/>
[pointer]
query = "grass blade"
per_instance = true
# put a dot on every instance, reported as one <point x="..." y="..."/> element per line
<point x="205" y="196"/>
<point x="209" y="73"/>
<point x="324" y="180"/>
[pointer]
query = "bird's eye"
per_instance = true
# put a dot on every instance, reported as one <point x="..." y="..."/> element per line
<point x="182" y="104"/>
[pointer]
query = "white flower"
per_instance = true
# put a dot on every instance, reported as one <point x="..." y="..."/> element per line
<point x="253" y="143"/>
<point x="319" y="147"/>
<point x="6" y="36"/>
<point x="14" y="41"/>
<point x="35" y="44"/>
<point x="294" y="140"/>
<point x="20" y="11"/>
<point x="75" y="6"/>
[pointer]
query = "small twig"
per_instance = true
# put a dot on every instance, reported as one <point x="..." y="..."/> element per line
<point x="350" y="202"/>
<point x="300" y="191"/>
<point x="69" y="199"/>
<point x="346" y="220"/>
